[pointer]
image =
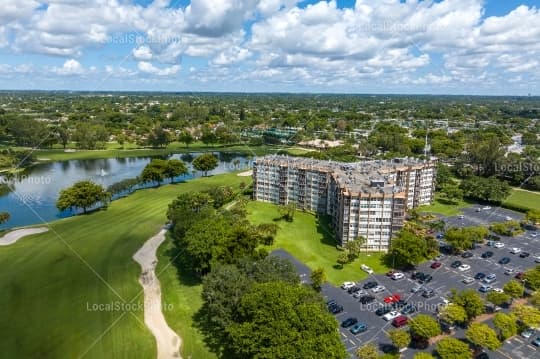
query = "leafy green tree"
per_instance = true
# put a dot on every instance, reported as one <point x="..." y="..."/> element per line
<point x="485" y="189"/>
<point x="205" y="162"/>
<point x="453" y="314"/>
<point x="82" y="194"/>
<point x="267" y="232"/>
<point x="530" y="316"/>
<point x="451" y="348"/>
<point x="514" y="289"/>
<point x="498" y="298"/>
<point x="154" y="171"/>
<point x="186" y="138"/>
<point x="174" y="168"/>
<point x="208" y="137"/>
<point x="469" y="300"/>
<point x="367" y="351"/>
<point x="355" y="247"/>
<point x="343" y="258"/>
<point x="158" y="136"/>
<point x="408" y="248"/>
<point x="533" y="216"/>
<point x="287" y="211"/>
<point x="424" y="326"/>
<point x="399" y="338"/>
<point x="318" y="277"/>
<point x="452" y="192"/>
<point x="533" y="278"/>
<point x="4" y="217"/>
<point x="444" y="176"/>
<point x="63" y="134"/>
<point x="481" y="334"/>
<point x="273" y="313"/>
<point x="534" y="299"/>
<point x="464" y="238"/>
<point x="506" y="325"/>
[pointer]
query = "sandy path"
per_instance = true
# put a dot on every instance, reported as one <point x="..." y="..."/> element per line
<point x="15" y="235"/>
<point x="245" y="174"/>
<point x="168" y="342"/>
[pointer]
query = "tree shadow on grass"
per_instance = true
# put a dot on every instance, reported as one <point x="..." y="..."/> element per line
<point x="324" y="227"/>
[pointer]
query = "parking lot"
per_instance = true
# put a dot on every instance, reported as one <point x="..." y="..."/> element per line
<point x="444" y="279"/>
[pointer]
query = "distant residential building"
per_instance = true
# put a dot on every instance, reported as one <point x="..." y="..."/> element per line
<point x="367" y="199"/>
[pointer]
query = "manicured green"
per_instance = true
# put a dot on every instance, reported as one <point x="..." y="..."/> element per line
<point x="441" y="206"/>
<point x="114" y="150"/>
<point x="311" y="241"/>
<point x="523" y="199"/>
<point x="47" y="289"/>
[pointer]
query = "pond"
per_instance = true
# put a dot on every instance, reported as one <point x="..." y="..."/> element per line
<point x="36" y="190"/>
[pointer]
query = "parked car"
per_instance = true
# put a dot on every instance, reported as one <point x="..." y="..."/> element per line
<point x="479" y="276"/>
<point x="487" y="254"/>
<point x="436" y="265"/>
<point x="397" y="276"/>
<point x="464" y="267"/>
<point x="490" y="278"/>
<point x="331" y="302"/>
<point x="498" y="245"/>
<point x="515" y="250"/>
<point x="408" y="309"/>
<point x="466" y="255"/>
<point x="391" y="315"/>
<point x="524" y="254"/>
<point x="468" y="280"/>
<point x="400" y="321"/>
<point x="486" y="208"/>
<point x="367" y="299"/>
<point x="378" y="289"/>
<point x="484" y="288"/>
<point x="360" y="293"/>
<point x="508" y="218"/>
<point x="417" y="288"/>
<point x="383" y="310"/>
<point x="370" y="285"/>
<point x="537" y="259"/>
<point x="353" y="289"/>
<point x="392" y="298"/>
<point x="427" y="278"/>
<point x="428" y="293"/>
<point x="390" y="272"/>
<point x="536" y="342"/>
<point x="520" y="275"/>
<point x="358" y="328"/>
<point x="366" y="269"/>
<point x="455" y="264"/>
<point x="348" y="322"/>
<point x="508" y="271"/>
<point x="504" y="260"/>
<point x="417" y="275"/>
<point x="527" y="333"/>
<point x="347" y="285"/>
<point x="335" y="309"/>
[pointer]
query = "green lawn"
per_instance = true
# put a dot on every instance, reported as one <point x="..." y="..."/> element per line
<point x="440" y="206"/>
<point x="113" y="150"/>
<point x="50" y="286"/>
<point x="312" y="242"/>
<point x="524" y="199"/>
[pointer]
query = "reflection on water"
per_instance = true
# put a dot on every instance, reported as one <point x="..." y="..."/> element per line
<point x="36" y="189"/>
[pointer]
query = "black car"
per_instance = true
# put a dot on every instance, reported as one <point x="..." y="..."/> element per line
<point x="504" y="260"/>
<point x="349" y="322"/>
<point x="370" y="285"/>
<point x="331" y="302"/>
<point x="455" y="264"/>
<point x="483" y="355"/>
<point x="466" y="255"/>
<point x="383" y="310"/>
<point x="524" y="254"/>
<point x="417" y="276"/>
<point x="487" y="254"/>
<point x="479" y="275"/>
<point x="366" y="299"/>
<point x="399" y="304"/>
<point x="408" y="309"/>
<point x="354" y="289"/>
<point x="428" y="293"/>
<point x="426" y="279"/>
<point x="335" y="309"/>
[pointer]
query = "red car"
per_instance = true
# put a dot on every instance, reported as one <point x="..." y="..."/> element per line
<point x="393" y="298"/>
<point x="520" y="275"/>
<point x="436" y="265"/>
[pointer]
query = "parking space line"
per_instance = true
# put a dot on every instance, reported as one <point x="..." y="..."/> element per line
<point x="532" y="347"/>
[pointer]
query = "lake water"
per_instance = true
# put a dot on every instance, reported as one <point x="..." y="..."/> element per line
<point x="36" y="191"/>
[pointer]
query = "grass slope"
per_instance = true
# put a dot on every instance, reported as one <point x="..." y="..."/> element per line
<point x="312" y="242"/>
<point x="523" y="199"/>
<point x="48" y="293"/>
<point x="441" y="206"/>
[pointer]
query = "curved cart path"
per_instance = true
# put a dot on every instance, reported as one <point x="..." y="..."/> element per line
<point x="168" y="342"/>
<point x="17" y="234"/>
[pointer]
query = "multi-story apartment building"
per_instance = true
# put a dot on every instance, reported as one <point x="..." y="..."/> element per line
<point x="367" y="199"/>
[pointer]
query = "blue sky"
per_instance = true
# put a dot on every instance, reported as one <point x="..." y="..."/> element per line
<point x="352" y="46"/>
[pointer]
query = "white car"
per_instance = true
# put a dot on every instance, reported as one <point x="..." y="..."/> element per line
<point x="484" y="288"/>
<point x="515" y="250"/>
<point x="537" y="259"/>
<point x="464" y="267"/>
<point x="468" y="280"/>
<point x="378" y="289"/>
<point x="366" y="269"/>
<point x="397" y="275"/>
<point x="360" y="293"/>
<point x="534" y="234"/>
<point x="498" y="245"/>
<point x="347" y="285"/>
<point x="498" y="290"/>
<point x="508" y="218"/>
<point x="486" y="208"/>
<point x="392" y="315"/>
